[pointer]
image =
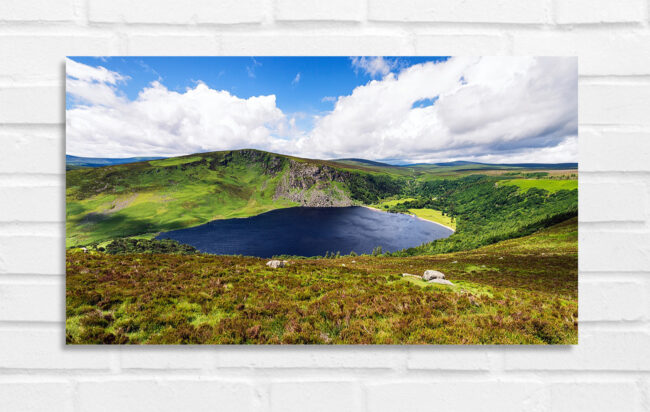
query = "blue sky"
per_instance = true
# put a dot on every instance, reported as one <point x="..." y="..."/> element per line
<point x="392" y="109"/>
<point x="319" y="78"/>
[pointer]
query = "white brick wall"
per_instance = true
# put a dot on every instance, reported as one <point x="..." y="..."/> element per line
<point x="608" y="371"/>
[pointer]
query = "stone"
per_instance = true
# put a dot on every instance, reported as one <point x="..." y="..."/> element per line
<point x="274" y="264"/>
<point x="410" y="275"/>
<point x="441" y="282"/>
<point x="432" y="274"/>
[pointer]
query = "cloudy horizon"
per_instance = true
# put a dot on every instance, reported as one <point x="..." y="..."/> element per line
<point x="394" y="110"/>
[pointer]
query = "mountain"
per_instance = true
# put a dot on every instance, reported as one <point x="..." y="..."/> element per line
<point x="76" y="162"/>
<point x="362" y="162"/>
<point x="151" y="196"/>
<point x="165" y="194"/>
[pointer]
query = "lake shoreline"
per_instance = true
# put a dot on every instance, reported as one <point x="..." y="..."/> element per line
<point x="411" y="214"/>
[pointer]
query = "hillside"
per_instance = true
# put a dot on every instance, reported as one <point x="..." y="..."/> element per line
<point x="148" y="197"/>
<point x="517" y="291"/>
<point x="160" y="195"/>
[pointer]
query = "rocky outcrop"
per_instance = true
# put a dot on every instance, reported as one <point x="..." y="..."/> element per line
<point x="274" y="264"/>
<point x="313" y="185"/>
<point x="432" y="274"/>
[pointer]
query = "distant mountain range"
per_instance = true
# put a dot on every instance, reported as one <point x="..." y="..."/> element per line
<point x="75" y="162"/>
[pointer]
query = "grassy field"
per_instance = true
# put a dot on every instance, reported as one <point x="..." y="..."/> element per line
<point x="549" y="185"/>
<point x="518" y="291"/>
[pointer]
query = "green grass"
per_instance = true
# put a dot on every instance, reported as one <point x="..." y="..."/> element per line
<point x="146" y="200"/>
<point x="549" y="185"/>
<point x="521" y="291"/>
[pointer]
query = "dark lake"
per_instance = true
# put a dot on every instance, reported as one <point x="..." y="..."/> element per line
<point x="310" y="231"/>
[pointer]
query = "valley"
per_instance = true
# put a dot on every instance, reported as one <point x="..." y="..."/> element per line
<point x="511" y="259"/>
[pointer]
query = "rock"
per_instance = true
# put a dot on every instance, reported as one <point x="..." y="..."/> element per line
<point x="411" y="276"/>
<point x="455" y="261"/>
<point x="441" y="282"/>
<point x="274" y="264"/>
<point x="432" y="274"/>
<point x="354" y="261"/>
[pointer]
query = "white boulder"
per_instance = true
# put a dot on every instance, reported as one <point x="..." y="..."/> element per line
<point x="274" y="264"/>
<point x="432" y="274"/>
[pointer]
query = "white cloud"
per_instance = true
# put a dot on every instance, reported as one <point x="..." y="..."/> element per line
<point x="89" y="74"/>
<point x="166" y="123"/>
<point x="296" y="79"/>
<point x="374" y="66"/>
<point x="495" y="109"/>
<point x="331" y="99"/>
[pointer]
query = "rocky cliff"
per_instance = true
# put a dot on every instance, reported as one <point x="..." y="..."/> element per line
<point x="313" y="185"/>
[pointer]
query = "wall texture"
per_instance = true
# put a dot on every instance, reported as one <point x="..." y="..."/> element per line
<point x="608" y="370"/>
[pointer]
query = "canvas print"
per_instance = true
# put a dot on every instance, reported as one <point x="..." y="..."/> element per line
<point x="321" y="200"/>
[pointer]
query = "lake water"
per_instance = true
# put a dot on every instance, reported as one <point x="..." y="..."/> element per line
<point x="310" y="231"/>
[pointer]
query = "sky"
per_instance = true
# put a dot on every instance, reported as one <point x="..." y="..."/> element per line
<point x="397" y="110"/>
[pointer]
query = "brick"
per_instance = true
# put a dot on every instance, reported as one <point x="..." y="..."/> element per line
<point x="590" y="46"/>
<point x="165" y="395"/>
<point x="451" y="395"/>
<point x="26" y="204"/>
<point x="617" y="104"/>
<point x="17" y="255"/>
<point x="38" y="57"/>
<point x="166" y="358"/>
<point x="617" y="200"/>
<point x="612" y="300"/>
<point x="45" y="349"/>
<point x="36" y="396"/>
<point x="447" y="358"/>
<point x="599" y="11"/>
<point x="32" y="151"/>
<point x="309" y="357"/>
<point x="173" y="12"/>
<point x="461" y="44"/>
<point x="598" y="350"/>
<point x="471" y="11"/>
<point x="178" y="45"/>
<point x="607" y="151"/>
<point x="595" y="396"/>
<point x="613" y="251"/>
<point x="45" y="103"/>
<point x="32" y="302"/>
<point x="336" y="10"/>
<point x="37" y="10"/>
<point x="315" y="396"/>
<point x="315" y="45"/>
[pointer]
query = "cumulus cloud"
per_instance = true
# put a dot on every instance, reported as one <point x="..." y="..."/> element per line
<point x="166" y="123"/>
<point x="373" y="66"/>
<point x="495" y="109"/>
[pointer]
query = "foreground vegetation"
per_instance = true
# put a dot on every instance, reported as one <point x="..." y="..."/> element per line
<point x="517" y="291"/>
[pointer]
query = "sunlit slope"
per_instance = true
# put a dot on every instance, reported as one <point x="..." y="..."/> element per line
<point x="160" y="195"/>
<point x="167" y="194"/>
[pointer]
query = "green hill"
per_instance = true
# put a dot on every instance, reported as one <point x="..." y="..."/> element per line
<point x="148" y="197"/>
<point x="160" y="195"/>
